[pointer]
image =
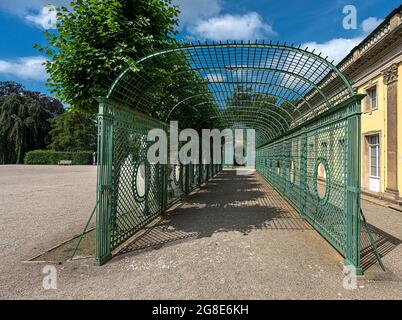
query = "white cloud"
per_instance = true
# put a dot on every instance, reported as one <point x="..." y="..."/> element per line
<point x="32" y="10"/>
<point x="24" y="7"/>
<point x="370" y="24"/>
<point x="232" y="27"/>
<point x="215" y="77"/>
<point x="193" y="11"/>
<point x="28" y="68"/>
<point x="335" y="49"/>
<point x="46" y="18"/>
<point x="20" y="7"/>
<point x="202" y="19"/>
<point x="338" y="48"/>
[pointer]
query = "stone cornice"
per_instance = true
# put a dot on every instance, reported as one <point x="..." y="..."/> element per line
<point x="366" y="73"/>
<point x="385" y="35"/>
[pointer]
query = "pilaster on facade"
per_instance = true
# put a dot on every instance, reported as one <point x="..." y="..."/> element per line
<point x="390" y="76"/>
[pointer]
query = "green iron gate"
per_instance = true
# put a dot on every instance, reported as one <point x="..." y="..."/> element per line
<point x="305" y="114"/>
<point x="330" y="199"/>
<point x="132" y="192"/>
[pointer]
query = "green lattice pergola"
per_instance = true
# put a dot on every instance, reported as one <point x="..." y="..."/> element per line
<point x="302" y="107"/>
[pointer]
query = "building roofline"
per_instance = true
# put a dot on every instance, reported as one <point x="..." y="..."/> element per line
<point x="369" y="37"/>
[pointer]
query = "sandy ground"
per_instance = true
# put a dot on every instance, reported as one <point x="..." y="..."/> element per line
<point x="239" y="240"/>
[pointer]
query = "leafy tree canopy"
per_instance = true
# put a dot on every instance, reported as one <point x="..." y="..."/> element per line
<point x="245" y="100"/>
<point x="24" y="126"/>
<point x="73" y="131"/>
<point x="9" y="87"/>
<point x="95" y="39"/>
<point x="51" y="104"/>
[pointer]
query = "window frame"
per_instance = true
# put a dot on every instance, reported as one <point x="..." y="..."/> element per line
<point x="370" y="98"/>
<point x="377" y="146"/>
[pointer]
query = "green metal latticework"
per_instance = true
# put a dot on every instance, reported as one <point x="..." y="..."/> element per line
<point x="304" y="112"/>
<point x="330" y="202"/>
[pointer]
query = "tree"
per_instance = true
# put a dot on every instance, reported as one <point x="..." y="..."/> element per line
<point x="96" y="39"/>
<point x="24" y="126"/>
<point x="244" y="100"/>
<point x="73" y="131"/>
<point x="51" y="104"/>
<point x="24" y="119"/>
<point x="9" y="87"/>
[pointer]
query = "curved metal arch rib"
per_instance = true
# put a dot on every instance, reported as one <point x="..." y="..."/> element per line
<point x="266" y="118"/>
<point x="226" y="77"/>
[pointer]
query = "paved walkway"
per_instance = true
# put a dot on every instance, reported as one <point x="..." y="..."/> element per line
<point x="236" y="238"/>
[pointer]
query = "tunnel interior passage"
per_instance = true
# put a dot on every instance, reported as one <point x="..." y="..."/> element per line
<point x="228" y="203"/>
<point x="304" y="112"/>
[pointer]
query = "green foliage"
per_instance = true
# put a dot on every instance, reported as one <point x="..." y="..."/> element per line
<point x="73" y="131"/>
<point x="49" y="103"/>
<point x="245" y="96"/>
<point x="53" y="157"/>
<point x="9" y="87"/>
<point x="24" y="126"/>
<point x="97" y="38"/>
<point x="244" y="102"/>
<point x="173" y="85"/>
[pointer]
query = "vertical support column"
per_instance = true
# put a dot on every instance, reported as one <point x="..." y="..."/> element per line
<point x="200" y="171"/>
<point x="391" y="81"/>
<point x="223" y="155"/>
<point x="211" y="161"/>
<point x="186" y="169"/>
<point x="303" y="173"/>
<point x="353" y="158"/>
<point x="166" y="172"/>
<point x="199" y="174"/>
<point x="163" y="186"/>
<point x="104" y="191"/>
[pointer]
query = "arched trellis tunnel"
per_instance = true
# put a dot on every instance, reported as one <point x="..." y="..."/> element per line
<point x="304" y="112"/>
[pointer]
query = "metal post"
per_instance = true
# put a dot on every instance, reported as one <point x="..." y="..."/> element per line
<point x="186" y="169"/>
<point x="104" y="183"/>
<point x="303" y="173"/>
<point x="353" y="188"/>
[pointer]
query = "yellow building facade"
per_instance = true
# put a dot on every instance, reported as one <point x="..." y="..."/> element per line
<point x="374" y="68"/>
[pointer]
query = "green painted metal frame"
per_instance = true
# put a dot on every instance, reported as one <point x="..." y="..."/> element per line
<point x="120" y="213"/>
<point x="292" y="74"/>
<point x="302" y="108"/>
<point x="335" y="138"/>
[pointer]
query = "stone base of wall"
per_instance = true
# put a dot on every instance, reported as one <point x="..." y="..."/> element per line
<point x="388" y="197"/>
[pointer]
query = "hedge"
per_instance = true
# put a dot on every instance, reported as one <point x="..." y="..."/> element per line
<point x="53" y="157"/>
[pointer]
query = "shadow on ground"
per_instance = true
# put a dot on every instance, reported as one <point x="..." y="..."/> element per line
<point x="229" y="202"/>
<point x="384" y="241"/>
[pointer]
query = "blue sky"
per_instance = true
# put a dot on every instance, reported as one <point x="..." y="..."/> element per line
<point x="313" y="23"/>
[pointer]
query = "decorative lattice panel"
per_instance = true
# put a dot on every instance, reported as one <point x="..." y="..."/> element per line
<point x="138" y="185"/>
<point x="316" y="169"/>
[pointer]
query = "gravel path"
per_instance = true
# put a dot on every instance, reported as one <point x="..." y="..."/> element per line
<point x="40" y="206"/>
<point x="240" y="240"/>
